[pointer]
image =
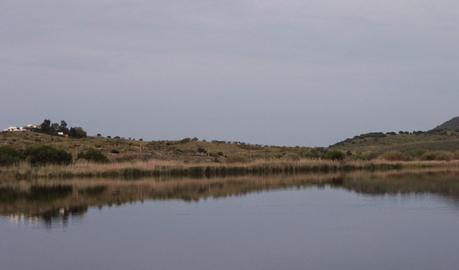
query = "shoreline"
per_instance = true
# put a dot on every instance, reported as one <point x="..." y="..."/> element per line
<point x="175" y="169"/>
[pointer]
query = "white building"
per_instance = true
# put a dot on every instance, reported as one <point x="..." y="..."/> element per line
<point x="14" y="129"/>
<point x="31" y="126"/>
<point x="25" y="128"/>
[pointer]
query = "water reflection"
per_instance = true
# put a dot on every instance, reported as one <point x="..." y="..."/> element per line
<point x="56" y="202"/>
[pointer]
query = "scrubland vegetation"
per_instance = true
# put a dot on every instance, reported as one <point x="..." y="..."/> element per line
<point x="47" y="153"/>
<point x="404" y="146"/>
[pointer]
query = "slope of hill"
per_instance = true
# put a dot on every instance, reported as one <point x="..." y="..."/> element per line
<point x="188" y="150"/>
<point x="411" y="144"/>
<point x="444" y="138"/>
<point x="451" y="125"/>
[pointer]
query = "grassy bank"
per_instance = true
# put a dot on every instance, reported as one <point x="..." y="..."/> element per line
<point x="171" y="169"/>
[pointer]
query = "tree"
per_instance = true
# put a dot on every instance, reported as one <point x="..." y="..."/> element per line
<point x="54" y="128"/>
<point x="46" y="126"/>
<point x="63" y="127"/>
<point x="77" y="132"/>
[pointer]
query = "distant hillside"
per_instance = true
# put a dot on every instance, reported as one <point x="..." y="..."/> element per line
<point x="451" y="125"/>
<point x="188" y="149"/>
<point x="442" y="141"/>
<point x="411" y="144"/>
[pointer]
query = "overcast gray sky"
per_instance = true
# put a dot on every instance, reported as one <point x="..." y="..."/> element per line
<point x="291" y="72"/>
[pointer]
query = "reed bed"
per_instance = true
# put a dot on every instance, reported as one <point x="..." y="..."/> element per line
<point x="172" y="169"/>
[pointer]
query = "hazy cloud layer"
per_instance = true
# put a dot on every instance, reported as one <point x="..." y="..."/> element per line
<point x="277" y="72"/>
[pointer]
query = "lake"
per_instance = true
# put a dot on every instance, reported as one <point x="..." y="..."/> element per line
<point x="358" y="221"/>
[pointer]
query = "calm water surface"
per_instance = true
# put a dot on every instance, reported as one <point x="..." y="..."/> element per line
<point x="326" y="227"/>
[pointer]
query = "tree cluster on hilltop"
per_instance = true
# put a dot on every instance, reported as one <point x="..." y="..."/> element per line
<point x="61" y="128"/>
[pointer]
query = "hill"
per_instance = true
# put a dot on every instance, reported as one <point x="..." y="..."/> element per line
<point x="411" y="144"/>
<point x="187" y="150"/>
<point x="439" y="143"/>
<point x="451" y="125"/>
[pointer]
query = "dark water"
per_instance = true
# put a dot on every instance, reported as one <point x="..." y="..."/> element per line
<point x="353" y="223"/>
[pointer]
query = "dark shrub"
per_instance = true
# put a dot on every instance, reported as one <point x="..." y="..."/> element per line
<point x="367" y="155"/>
<point x="334" y="155"/>
<point x="41" y="155"/>
<point x="202" y="150"/>
<point x="93" y="155"/>
<point x="9" y="156"/>
<point x="394" y="156"/>
<point x="313" y="153"/>
<point x="372" y="135"/>
<point x="438" y="155"/>
<point x="77" y="132"/>
<point x="115" y="151"/>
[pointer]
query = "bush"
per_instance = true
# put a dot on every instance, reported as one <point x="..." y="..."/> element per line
<point x="394" y="156"/>
<point x="202" y="150"/>
<point x="291" y="156"/>
<point x="42" y="155"/>
<point x="366" y="155"/>
<point x="9" y="156"/>
<point x="438" y="155"/>
<point x="93" y="155"/>
<point x="334" y="155"/>
<point x="77" y="132"/>
<point x="456" y="155"/>
<point x="313" y="153"/>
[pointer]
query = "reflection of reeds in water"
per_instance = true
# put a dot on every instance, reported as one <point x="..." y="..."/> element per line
<point x="130" y="170"/>
<point x="61" y="199"/>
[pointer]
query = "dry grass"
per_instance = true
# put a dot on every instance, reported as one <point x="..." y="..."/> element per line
<point x="159" y="168"/>
<point x="119" y="150"/>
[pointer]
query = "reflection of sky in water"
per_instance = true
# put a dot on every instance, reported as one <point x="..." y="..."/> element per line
<point x="288" y="229"/>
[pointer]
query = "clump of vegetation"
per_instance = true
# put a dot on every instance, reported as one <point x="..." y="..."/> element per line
<point x="291" y="156"/>
<point x="202" y="150"/>
<point x="77" y="132"/>
<point x="394" y="156"/>
<point x="93" y="155"/>
<point x="42" y="155"/>
<point x="60" y="129"/>
<point x="334" y="155"/>
<point x="438" y="155"/>
<point x="366" y="155"/>
<point x="10" y="156"/>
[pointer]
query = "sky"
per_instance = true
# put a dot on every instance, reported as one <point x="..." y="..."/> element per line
<point x="284" y="72"/>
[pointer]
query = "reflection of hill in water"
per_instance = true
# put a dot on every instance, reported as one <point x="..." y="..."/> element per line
<point x="57" y="201"/>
